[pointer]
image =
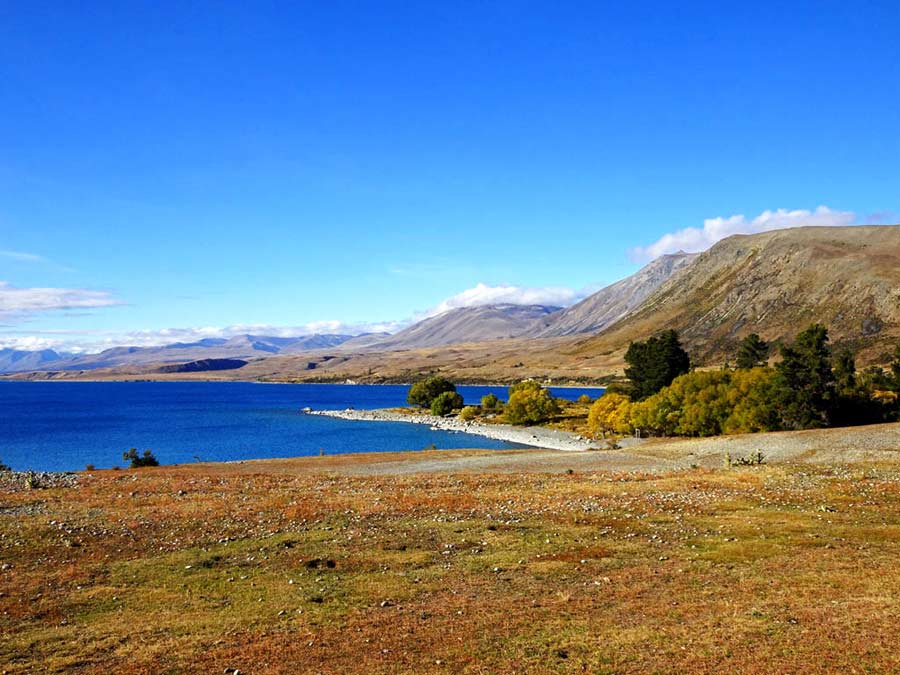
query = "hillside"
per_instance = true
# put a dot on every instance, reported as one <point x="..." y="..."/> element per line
<point x="18" y="360"/>
<point x="468" y="324"/>
<point x="237" y="347"/>
<point x="775" y="284"/>
<point x="608" y="305"/>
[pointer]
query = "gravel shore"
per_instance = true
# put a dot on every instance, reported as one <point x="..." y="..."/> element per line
<point x="536" y="437"/>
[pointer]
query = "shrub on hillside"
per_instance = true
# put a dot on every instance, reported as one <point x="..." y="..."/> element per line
<point x="530" y="403"/>
<point x="584" y="399"/>
<point x="446" y="403"/>
<point x="424" y="392"/>
<point x="139" y="461"/>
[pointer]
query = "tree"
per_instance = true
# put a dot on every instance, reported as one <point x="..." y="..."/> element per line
<point x="490" y="403"/>
<point x="530" y="403"/>
<point x="806" y="384"/>
<point x="752" y="395"/>
<point x="469" y="413"/>
<point x="845" y="373"/>
<point x="424" y="392"/>
<point x="140" y="461"/>
<point x="611" y="413"/>
<point x="753" y="352"/>
<point x="653" y="364"/>
<point x="895" y="369"/>
<point x="445" y="403"/>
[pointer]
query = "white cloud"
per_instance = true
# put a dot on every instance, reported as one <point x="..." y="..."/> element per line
<point x="19" y="256"/>
<point x="482" y="294"/>
<point x="29" y="343"/>
<point x="694" y="239"/>
<point x="15" y="300"/>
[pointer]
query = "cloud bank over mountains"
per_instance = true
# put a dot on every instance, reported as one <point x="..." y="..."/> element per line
<point x="482" y="294"/>
<point x="695" y="239"/>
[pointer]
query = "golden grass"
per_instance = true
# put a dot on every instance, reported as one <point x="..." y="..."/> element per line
<point x="288" y="567"/>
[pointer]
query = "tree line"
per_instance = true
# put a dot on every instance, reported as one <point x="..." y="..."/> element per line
<point x="811" y="386"/>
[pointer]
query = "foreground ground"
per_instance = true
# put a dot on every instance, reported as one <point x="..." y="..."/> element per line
<point x="441" y="563"/>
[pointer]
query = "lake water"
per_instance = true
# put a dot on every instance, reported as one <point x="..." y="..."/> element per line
<point x="64" y="426"/>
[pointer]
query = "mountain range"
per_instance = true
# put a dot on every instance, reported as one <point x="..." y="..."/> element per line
<point x="774" y="284"/>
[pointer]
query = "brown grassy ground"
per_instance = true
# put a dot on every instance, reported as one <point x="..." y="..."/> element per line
<point x="297" y="566"/>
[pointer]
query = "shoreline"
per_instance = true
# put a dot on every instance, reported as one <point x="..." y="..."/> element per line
<point x="535" y="437"/>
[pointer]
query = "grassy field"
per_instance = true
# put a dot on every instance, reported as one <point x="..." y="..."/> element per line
<point x="296" y="566"/>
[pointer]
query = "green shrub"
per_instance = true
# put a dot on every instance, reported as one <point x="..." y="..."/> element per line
<point x="424" y="393"/>
<point x="446" y="403"/>
<point x="469" y="413"/>
<point x="139" y="461"/>
<point x="490" y="403"/>
<point x="530" y="403"/>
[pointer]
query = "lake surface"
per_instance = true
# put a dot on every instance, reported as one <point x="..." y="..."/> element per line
<point x="64" y="426"/>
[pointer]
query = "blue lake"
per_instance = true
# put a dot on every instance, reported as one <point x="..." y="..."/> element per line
<point x="64" y="426"/>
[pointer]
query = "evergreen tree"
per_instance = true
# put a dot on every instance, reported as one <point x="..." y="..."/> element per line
<point x="895" y="369"/>
<point x="806" y="381"/>
<point x="753" y="352"/>
<point x="653" y="364"/>
<point x="845" y="373"/>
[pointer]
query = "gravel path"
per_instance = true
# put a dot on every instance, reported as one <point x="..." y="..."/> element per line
<point x="874" y="443"/>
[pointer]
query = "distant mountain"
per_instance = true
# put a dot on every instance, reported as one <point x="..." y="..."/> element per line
<point x="237" y="347"/>
<point x="776" y="284"/>
<point x="467" y="324"/>
<point x="18" y="360"/>
<point x="606" y="306"/>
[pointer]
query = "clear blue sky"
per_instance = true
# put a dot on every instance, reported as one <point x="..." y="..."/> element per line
<point x="210" y="164"/>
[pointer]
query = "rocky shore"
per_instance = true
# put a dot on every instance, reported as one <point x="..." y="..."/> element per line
<point x="537" y="437"/>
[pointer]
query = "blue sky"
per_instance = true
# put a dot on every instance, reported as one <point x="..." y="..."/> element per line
<point x="166" y="167"/>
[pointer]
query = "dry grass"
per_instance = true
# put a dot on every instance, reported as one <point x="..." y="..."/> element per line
<point x="290" y="567"/>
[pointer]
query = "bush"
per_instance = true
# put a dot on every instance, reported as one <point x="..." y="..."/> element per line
<point x="446" y="403"/>
<point x="529" y="403"/>
<point x="140" y="461"/>
<point x="490" y="403"/>
<point x="584" y="399"/>
<point x="611" y="413"/>
<point x="469" y="413"/>
<point x="711" y="403"/>
<point x="424" y="393"/>
<point x="4" y="467"/>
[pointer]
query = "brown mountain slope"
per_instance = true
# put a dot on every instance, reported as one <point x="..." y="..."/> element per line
<point x="775" y="284"/>
<point x="603" y="308"/>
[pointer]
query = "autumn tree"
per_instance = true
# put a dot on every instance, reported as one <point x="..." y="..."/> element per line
<point x="529" y="403"/>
